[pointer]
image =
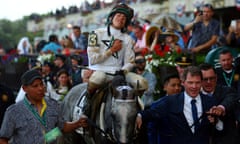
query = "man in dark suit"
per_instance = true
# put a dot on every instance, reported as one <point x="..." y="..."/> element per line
<point x="226" y="98"/>
<point x="183" y="112"/>
<point x="6" y="99"/>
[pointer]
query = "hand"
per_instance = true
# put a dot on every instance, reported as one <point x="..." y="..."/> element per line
<point x="217" y="111"/>
<point x="212" y="119"/>
<point x="117" y="46"/>
<point x="231" y="29"/>
<point x="194" y="50"/>
<point x="198" y="18"/>
<point x="82" y="122"/>
<point x="139" y="121"/>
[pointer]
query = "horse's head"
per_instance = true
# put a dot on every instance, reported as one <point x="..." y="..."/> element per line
<point x="124" y="110"/>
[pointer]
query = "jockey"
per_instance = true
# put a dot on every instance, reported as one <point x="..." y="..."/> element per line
<point x="110" y="48"/>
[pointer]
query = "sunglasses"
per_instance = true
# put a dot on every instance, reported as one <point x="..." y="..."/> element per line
<point x="211" y="79"/>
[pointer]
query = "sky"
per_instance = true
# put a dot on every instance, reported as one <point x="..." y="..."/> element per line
<point x="17" y="9"/>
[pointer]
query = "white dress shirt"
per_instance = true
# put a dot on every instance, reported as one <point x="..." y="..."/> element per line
<point x="187" y="109"/>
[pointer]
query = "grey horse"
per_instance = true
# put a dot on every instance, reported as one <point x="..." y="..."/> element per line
<point x="113" y="118"/>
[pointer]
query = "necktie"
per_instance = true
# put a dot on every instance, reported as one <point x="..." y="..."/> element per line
<point x="194" y="114"/>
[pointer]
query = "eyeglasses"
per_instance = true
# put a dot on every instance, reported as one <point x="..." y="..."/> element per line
<point x="138" y="61"/>
<point x="210" y="79"/>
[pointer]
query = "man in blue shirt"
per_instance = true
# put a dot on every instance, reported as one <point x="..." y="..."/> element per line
<point x="53" y="45"/>
<point x="79" y="40"/>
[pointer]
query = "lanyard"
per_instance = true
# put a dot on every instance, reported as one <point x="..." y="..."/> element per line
<point x="228" y="80"/>
<point x="42" y="119"/>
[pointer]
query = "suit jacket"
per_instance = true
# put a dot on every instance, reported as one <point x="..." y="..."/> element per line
<point x="227" y="97"/>
<point x="170" y="109"/>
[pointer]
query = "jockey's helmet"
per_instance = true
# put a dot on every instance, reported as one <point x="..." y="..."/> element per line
<point x="121" y="8"/>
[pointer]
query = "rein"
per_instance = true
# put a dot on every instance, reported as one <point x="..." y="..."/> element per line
<point x="105" y="134"/>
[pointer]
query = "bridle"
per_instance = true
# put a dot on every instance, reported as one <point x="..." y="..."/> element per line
<point x="104" y="133"/>
<point x="109" y="134"/>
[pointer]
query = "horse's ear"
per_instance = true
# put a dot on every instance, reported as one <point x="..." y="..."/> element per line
<point x="118" y="80"/>
<point x="140" y="102"/>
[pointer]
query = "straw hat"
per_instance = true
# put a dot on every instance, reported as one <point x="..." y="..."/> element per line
<point x="170" y="33"/>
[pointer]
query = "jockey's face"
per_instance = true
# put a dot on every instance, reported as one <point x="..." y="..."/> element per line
<point x="119" y="21"/>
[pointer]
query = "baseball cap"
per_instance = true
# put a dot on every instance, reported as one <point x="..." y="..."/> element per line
<point x="29" y="76"/>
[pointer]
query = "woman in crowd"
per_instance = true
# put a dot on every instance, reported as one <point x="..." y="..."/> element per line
<point x="63" y="85"/>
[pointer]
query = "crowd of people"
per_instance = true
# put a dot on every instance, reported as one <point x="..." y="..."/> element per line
<point x="200" y="104"/>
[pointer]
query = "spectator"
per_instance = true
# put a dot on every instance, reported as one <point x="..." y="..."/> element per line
<point x="7" y="98"/>
<point x="47" y="72"/>
<point x="140" y="33"/>
<point x="205" y="31"/>
<point x="172" y="86"/>
<point x="62" y="85"/>
<point x="181" y="63"/>
<point x="79" y="40"/>
<point x="226" y="100"/>
<point x="233" y="36"/>
<point x="24" y="46"/>
<point x="227" y="74"/>
<point x="148" y="95"/>
<point x="53" y="45"/>
<point x="40" y="45"/>
<point x="131" y="32"/>
<point x="68" y="46"/>
<point x="60" y="63"/>
<point x="169" y="42"/>
<point x="75" y="70"/>
<point x="34" y="119"/>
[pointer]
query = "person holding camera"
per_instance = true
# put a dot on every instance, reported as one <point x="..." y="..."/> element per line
<point x="233" y="36"/>
<point x="205" y="31"/>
